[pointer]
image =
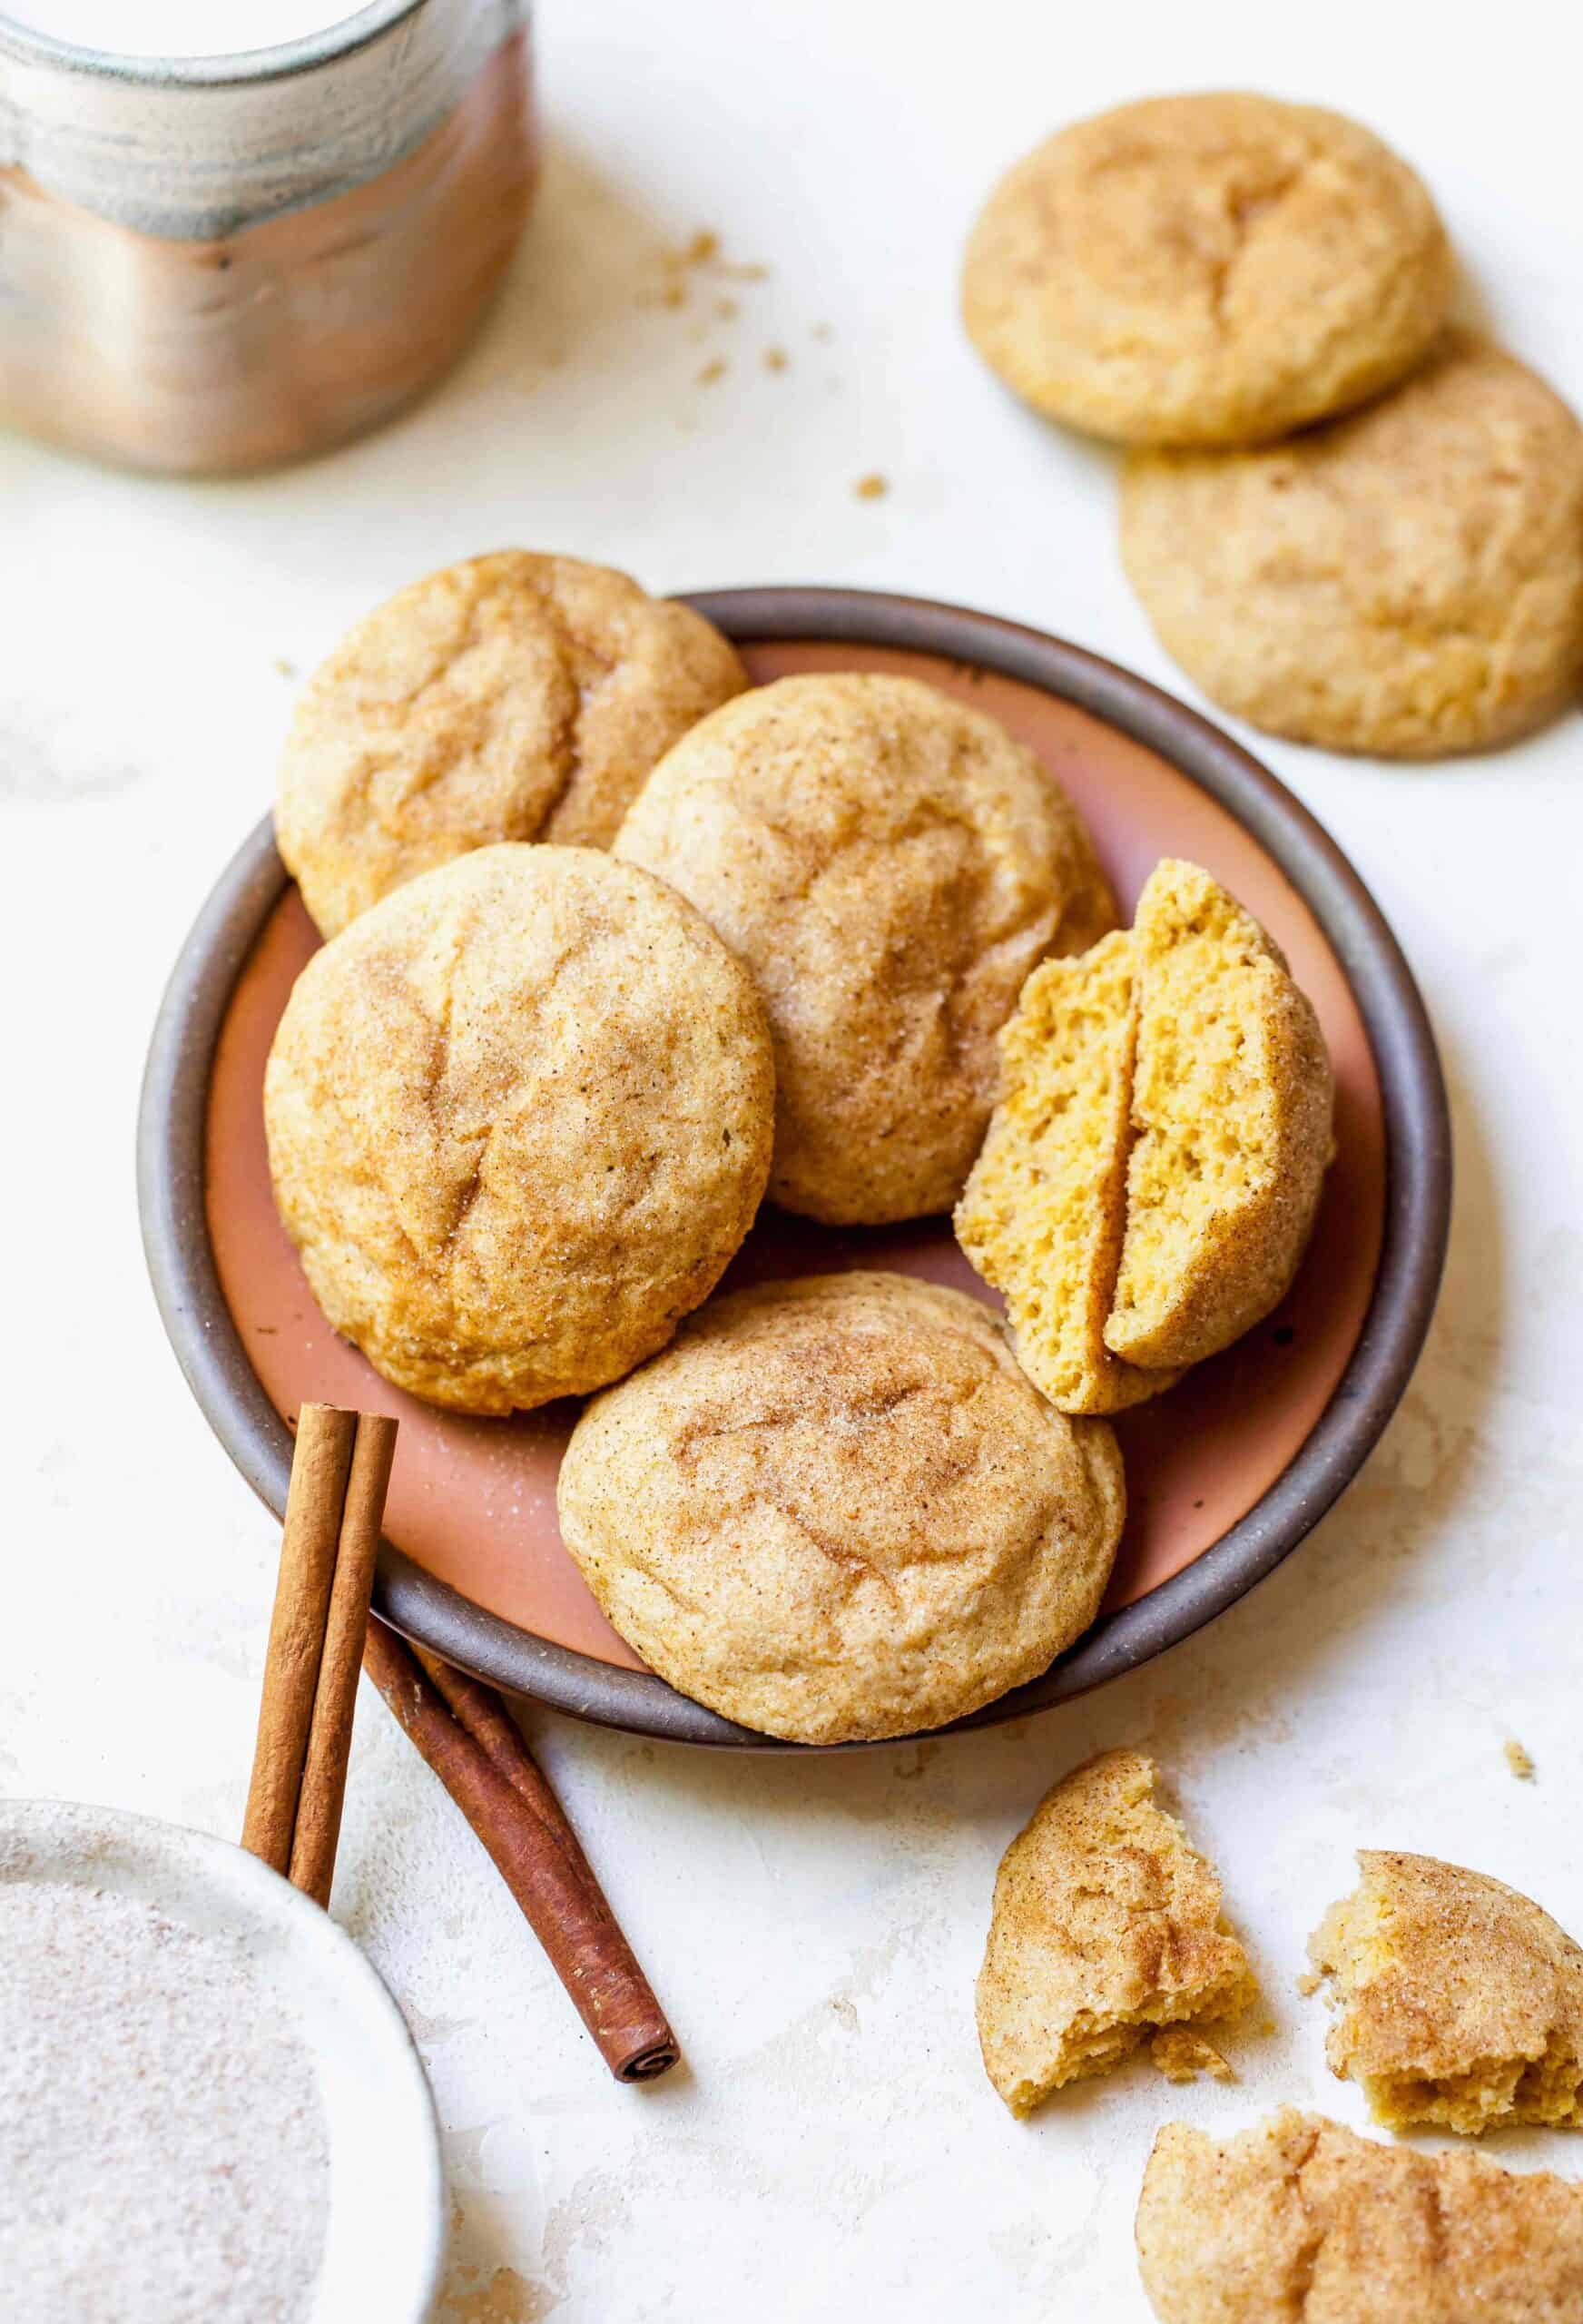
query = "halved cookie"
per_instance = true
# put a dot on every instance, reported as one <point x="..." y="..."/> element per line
<point x="1461" y="2001"/>
<point x="1107" y="1924"/>
<point x="1045" y="1211"/>
<point x="1232" y="1100"/>
<point x="1300" y="2218"/>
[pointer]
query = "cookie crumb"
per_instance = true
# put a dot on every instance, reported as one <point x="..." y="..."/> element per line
<point x="288" y="669"/>
<point x="1309" y="1984"/>
<point x="727" y="310"/>
<point x="1181" y="2055"/>
<point x="775" y="358"/>
<point x="713" y="370"/>
<point x="1519" y="1760"/>
<point x="872" y="486"/>
<point x="703" y="246"/>
<point x="822" y="331"/>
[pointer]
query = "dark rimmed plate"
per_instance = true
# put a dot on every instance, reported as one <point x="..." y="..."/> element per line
<point x="1227" y="1474"/>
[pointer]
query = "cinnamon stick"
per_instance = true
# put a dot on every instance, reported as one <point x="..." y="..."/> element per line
<point x="324" y="1771"/>
<point x="319" y="1469"/>
<point x="467" y="1737"/>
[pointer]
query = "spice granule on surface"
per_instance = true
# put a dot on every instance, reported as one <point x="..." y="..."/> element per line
<point x="163" y="2149"/>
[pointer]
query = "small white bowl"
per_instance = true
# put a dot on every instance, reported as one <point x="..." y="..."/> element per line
<point x="385" y="2230"/>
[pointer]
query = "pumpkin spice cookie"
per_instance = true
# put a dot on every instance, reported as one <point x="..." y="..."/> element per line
<point x="1106" y="1930"/>
<point x="835" y="1508"/>
<point x="1406" y="582"/>
<point x="1300" y="2218"/>
<point x="1461" y="2001"/>
<point x="1231" y="1107"/>
<point x="889" y="864"/>
<point x="520" y="1118"/>
<point x="1044" y="1213"/>
<point x="510" y="697"/>
<point x="1215" y="269"/>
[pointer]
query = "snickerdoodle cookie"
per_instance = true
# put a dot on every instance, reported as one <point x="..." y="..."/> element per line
<point x="511" y="697"/>
<point x="1044" y="1213"/>
<point x="1461" y="2001"/>
<point x="836" y="1509"/>
<point x="1107" y="1927"/>
<point x="1408" y="581"/>
<point x="1232" y="1100"/>
<point x="1300" y="2218"/>
<point x="1158" y="1145"/>
<point x="519" y="1118"/>
<point x="1213" y="269"/>
<point x="889" y="864"/>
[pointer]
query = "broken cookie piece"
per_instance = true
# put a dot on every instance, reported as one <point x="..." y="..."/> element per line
<point x="1107" y="1924"/>
<point x="1231" y="1109"/>
<point x="1460" y="2001"/>
<point x="1300" y="2218"/>
<point x="1045" y="1210"/>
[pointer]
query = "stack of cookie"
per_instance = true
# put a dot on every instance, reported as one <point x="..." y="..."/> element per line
<point x="524" y="1105"/>
<point x="1349" y="522"/>
<point x="1460" y="2008"/>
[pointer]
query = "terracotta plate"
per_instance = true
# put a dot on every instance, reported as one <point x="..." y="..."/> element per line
<point x="1226" y="1474"/>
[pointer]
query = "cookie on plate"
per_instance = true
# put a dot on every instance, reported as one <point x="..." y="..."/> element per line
<point x="1044" y="1213"/>
<point x="835" y="1508"/>
<point x="1407" y="581"/>
<point x="520" y="1118"/>
<point x="1107" y="1927"/>
<point x="1231" y="1107"/>
<point x="889" y="864"/>
<point x="1460" y="2000"/>
<point x="510" y="697"/>
<point x="1214" y="269"/>
<point x="1302" y="2219"/>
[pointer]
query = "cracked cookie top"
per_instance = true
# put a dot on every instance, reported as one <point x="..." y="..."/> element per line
<point x="889" y="864"/>
<point x="520" y="1118"/>
<point x="1300" y="2221"/>
<point x="1214" y="269"/>
<point x="835" y="1508"/>
<point x="510" y="697"/>
<point x="1407" y="581"/>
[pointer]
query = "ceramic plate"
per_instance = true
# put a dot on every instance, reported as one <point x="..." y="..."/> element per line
<point x="385" y="2234"/>
<point x="1226" y="1474"/>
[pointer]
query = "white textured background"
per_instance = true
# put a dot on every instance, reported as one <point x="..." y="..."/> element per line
<point x="833" y="2146"/>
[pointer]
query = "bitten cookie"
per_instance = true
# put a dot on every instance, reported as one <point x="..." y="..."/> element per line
<point x="510" y="697"/>
<point x="889" y="864"/>
<point x="1206" y="269"/>
<point x="1301" y="2218"/>
<point x="1107" y="1927"/>
<point x="1231" y="1107"/>
<point x="520" y="1118"/>
<point x="1406" y="582"/>
<point x="1044" y="1213"/>
<point x="836" y="1509"/>
<point x="1461" y="2001"/>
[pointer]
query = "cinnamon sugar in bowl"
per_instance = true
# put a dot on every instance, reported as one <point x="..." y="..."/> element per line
<point x="215" y="263"/>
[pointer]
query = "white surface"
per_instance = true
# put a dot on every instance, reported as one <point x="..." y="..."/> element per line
<point x="384" y="2229"/>
<point x="814" y="1929"/>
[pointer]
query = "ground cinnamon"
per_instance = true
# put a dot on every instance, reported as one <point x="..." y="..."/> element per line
<point x="464" y="1733"/>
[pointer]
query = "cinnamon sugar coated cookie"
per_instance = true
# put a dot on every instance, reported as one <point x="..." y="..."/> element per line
<point x="510" y="697"/>
<point x="1044" y="1213"/>
<point x="889" y="864"/>
<point x="1303" y="2219"/>
<point x="1231" y="1108"/>
<point x="1107" y="1925"/>
<point x="835" y="1508"/>
<point x="1406" y="582"/>
<point x="1461" y="2001"/>
<point x="1213" y="269"/>
<point x="520" y="1118"/>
